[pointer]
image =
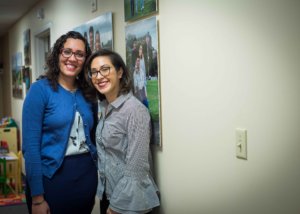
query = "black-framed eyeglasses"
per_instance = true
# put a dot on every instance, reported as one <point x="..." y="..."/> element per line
<point x="104" y="71"/>
<point x="67" y="52"/>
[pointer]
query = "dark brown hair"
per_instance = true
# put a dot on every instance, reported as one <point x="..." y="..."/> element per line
<point x="117" y="61"/>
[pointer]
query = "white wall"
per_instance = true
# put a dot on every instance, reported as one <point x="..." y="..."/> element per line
<point x="229" y="64"/>
<point x="224" y="65"/>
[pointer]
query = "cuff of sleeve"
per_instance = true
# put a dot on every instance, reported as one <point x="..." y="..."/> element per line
<point x="135" y="194"/>
<point x="36" y="187"/>
<point x="128" y="211"/>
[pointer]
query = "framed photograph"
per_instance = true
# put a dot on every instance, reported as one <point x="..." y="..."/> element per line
<point x="1" y="68"/>
<point x="98" y="32"/>
<point x="26" y="73"/>
<point x="135" y="9"/>
<point x="17" y="80"/>
<point x="27" y="47"/>
<point x="142" y="60"/>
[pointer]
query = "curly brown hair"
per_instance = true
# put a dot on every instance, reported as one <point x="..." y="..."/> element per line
<point x="52" y="64"/>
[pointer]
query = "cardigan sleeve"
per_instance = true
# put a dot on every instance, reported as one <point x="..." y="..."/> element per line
<point x="32" y="125"/>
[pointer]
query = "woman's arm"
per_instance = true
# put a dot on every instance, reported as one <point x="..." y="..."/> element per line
<point x="135" y="191"/>
<point x="32" y="122"/>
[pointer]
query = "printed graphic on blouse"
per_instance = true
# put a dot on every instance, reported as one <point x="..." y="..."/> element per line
<point x="77" y="140"/>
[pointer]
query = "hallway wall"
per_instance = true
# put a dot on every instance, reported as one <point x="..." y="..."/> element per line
<point x="227" y="65"/>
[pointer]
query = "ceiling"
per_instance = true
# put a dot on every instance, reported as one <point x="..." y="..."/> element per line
<point x="11" y="11"/>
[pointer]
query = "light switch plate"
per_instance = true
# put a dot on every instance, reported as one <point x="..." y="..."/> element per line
<point x="241" y="143"/>
<point x="94" y="5"/>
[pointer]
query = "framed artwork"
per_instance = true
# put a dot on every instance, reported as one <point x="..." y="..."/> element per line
<point x="26" y="74"/>
<point x="17" y="80"/>
<point x="27" y="47"/>
<point x="135" y="9"/>
<point x="142" y="61"/>
<point x="98" y="32"/>
<point x="1" y="68"/>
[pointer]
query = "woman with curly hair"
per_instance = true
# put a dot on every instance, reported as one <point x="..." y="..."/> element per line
<point x="57" y="126"/>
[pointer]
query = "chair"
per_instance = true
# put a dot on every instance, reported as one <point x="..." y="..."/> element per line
<point x="3" y="178"/>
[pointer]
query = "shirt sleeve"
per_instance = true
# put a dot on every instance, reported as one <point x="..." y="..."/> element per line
<point x="32" y="122"/>
<point x="136" y="191"/>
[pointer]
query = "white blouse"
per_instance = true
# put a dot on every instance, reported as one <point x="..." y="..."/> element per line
<point x="77" y="141"/>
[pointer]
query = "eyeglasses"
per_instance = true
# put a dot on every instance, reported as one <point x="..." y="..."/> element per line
<point x="104" y="71"/>
<point x="67" y="53"/>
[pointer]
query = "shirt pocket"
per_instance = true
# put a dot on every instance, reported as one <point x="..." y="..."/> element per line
<point x="114" y="136"/>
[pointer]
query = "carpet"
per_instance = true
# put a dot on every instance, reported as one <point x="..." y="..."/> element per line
<point x="12" y="199"/>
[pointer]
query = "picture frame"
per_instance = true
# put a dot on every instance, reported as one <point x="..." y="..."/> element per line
<point x="26" y="74"/>
<point x="17" y="79"/>
<point x="1" y="68"/>
<point x="142" y="59"/>
<point x="27" y="47"/>
<point x="98" y="32"/>
<point x="135" y="9"/>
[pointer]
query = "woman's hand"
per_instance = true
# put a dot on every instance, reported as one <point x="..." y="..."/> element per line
<point x="39" y="205"/>
<point x="41" y="209"/>
<point x="110" y="211"/>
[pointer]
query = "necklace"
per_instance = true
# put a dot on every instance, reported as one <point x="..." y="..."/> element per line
<point x="72" y="90"/>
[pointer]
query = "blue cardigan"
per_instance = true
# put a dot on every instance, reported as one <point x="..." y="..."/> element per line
<point x="47" y="119"/>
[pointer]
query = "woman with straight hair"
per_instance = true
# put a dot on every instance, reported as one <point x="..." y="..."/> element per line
<point x="122" y="138"/>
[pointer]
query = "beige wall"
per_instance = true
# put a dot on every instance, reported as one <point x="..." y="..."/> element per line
<point x="223" y="66"/>
<point x="229" y="64"/>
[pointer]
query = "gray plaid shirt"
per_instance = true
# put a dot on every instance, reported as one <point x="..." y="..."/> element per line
<point x="123" y="137"/>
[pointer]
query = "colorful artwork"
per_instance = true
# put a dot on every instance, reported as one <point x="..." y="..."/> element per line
<point x="27" y="48"/>
<point x="142" y="60"/>
<point x="17" y="80"/>
<point x="135" y="9"/>
<point x="98" y="32"/>
<point x="26" y="73"/>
